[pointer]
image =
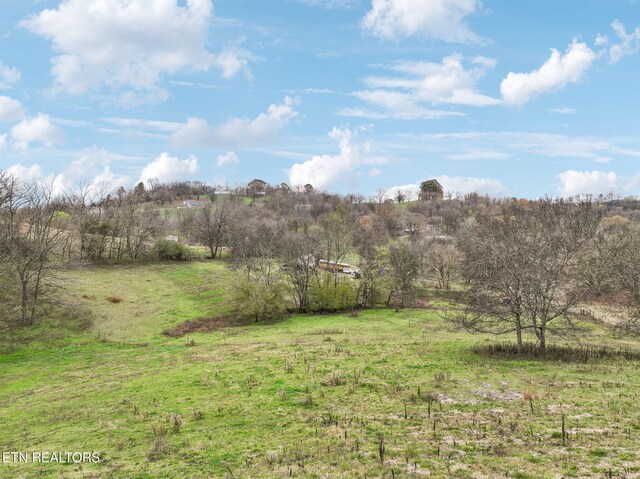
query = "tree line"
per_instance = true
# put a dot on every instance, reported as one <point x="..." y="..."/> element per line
<point x="518" y="267"/>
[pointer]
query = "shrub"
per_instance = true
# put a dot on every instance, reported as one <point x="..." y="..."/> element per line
<point x="171" y="250"/>
<point x="257" y="300"/>
<point x="328" y="295"/>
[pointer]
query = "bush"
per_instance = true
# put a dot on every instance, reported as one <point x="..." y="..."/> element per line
<point x="171" y="250"/>
<point x="327" y="295"/>
<point x="257" y="300"/>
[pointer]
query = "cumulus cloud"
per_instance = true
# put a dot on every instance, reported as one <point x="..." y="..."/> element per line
<point x="437" y="19"/>
<point x="8" y="76"/>
<point x="416" y="84"/>
<point x="227" y="158"/>
<point x="26" y="174"/>
<point x="324" y="170"/>
<point x="460" y="185"/>
<point x="129" y="44"/>
<point x="629" y="43"/>
<point x="456" y="186"/>
<point x="10" y="109"/>
<point x="558" y="71"/>
<point x="236" y="132"/>
<point x="37" y="129"/>
<point x="588" y="182"/>
<point x="167" y="168"/>
<point x="232" y="62"/>
<point x="91" y="170"/>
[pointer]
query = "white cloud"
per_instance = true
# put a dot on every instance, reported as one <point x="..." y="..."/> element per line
<point x="324" y="170"/>
<point x="456" y="186"/>
<point x="129" y="44"/>
<point x="517" y="144"/>
<point x="26" y="174"/>
<point x="373" y="172"/>
<point x="10" y="109"/>
<point x="438" y="19"/>
<point x="91" y="170"/>
<point x="563" y="110"/>
<point x="478" y="154"/>
<point x="460" y="185"/>
<point x="394" y="105"/>
<point x="8" y="76"/>
<point x="233" y="61"/>
<point x="167" y="168"/>
<point x="588" y="182"/>
<point x="227" y="158"/>
<point x="558" y="71"/>
<point x="158" y="125"/>
<point x="38" y="129"/>
<point x="415" y="84"/>
<point x="236" y="132"/>
<point x="449" y="81"/>
<point x="629" y="42"/>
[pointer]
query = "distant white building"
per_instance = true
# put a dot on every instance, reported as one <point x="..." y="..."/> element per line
<point x="171" y="238"/>
<point x="190" y="204"/>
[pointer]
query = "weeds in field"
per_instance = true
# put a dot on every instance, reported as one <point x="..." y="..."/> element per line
<point x="570" y="354"/>
<point x="176" y="422"/>
<point x="197" y="415"/>
<point x="282" y="394"/>
<point x="160" y="444"/>
<point x="333" y="379"/>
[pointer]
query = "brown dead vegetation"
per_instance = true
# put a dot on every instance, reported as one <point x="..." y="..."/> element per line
<point x="201" y="325"/>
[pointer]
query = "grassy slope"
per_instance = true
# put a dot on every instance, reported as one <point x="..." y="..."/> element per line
<point x="252" y="384"/>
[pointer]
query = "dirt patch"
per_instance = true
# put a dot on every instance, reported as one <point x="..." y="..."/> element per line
<point x="202" y="325"/>
<point x="489" y="393"/>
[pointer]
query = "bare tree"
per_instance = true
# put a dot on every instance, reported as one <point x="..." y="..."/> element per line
<point x="525" y="267"/>
<point x="441" y="261"/>
<point x="31" y="244"/>
<point x="618" y="255"/>
<point x="210" y="226"/>
<point x="301" y="255"/>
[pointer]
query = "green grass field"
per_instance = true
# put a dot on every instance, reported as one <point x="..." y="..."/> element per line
<point x="306" y="397"/>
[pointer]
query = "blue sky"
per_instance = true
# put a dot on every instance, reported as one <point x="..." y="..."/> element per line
<point x="513" y="98"/>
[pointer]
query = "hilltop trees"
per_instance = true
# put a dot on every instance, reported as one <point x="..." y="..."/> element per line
<point x="431" y="189"/>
